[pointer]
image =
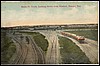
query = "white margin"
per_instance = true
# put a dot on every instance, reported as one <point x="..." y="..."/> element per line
<point x="61" y="1"/>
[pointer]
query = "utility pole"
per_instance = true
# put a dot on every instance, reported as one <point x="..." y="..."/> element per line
<point x="21" y="37"/>
<point x="27" y="39"/>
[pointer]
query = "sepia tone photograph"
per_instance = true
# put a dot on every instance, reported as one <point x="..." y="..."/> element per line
<point x="49" y="32"/>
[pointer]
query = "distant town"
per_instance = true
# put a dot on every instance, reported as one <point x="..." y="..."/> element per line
<point x="53" y="27"/>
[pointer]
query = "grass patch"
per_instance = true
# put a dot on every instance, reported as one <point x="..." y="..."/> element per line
<point x="91" y="34"/>
<point x="41" y="41"/>
<point x="7" y="50"/>
<point x="71" y="53"/>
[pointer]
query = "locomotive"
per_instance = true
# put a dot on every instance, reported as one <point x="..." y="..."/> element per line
<point x="80" y="39"/>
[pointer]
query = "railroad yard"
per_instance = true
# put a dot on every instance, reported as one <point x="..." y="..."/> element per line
<point x="49" y="33"/>
<point x="61" y="47"/>
<point x="28" y="51"/>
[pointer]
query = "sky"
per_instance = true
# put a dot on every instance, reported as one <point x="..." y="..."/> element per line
<point x="48" y="13"/>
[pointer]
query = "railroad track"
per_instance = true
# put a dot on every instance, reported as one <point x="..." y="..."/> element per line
<point x="38" y="51"/>
<point x="52" y="55"/>
<point x="34" y="52"/>
<point x="21" y="54"/>
<point x="51" y="49"/>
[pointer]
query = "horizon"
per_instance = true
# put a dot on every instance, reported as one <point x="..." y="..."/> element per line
<point x="47" y="25"/>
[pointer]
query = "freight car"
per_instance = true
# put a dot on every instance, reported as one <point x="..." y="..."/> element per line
<point x="76" y="37"/>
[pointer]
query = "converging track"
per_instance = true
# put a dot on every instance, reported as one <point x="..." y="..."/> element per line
<point x="21" y="53"/>
<point x="53" y="52"/>
<point x="41" y="58"/>
<point x="27" y="53"/>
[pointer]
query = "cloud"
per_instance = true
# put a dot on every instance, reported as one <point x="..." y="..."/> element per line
<point x="44" y="16"/>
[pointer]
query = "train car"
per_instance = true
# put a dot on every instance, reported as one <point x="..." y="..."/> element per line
<point x="78" y="38"/>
